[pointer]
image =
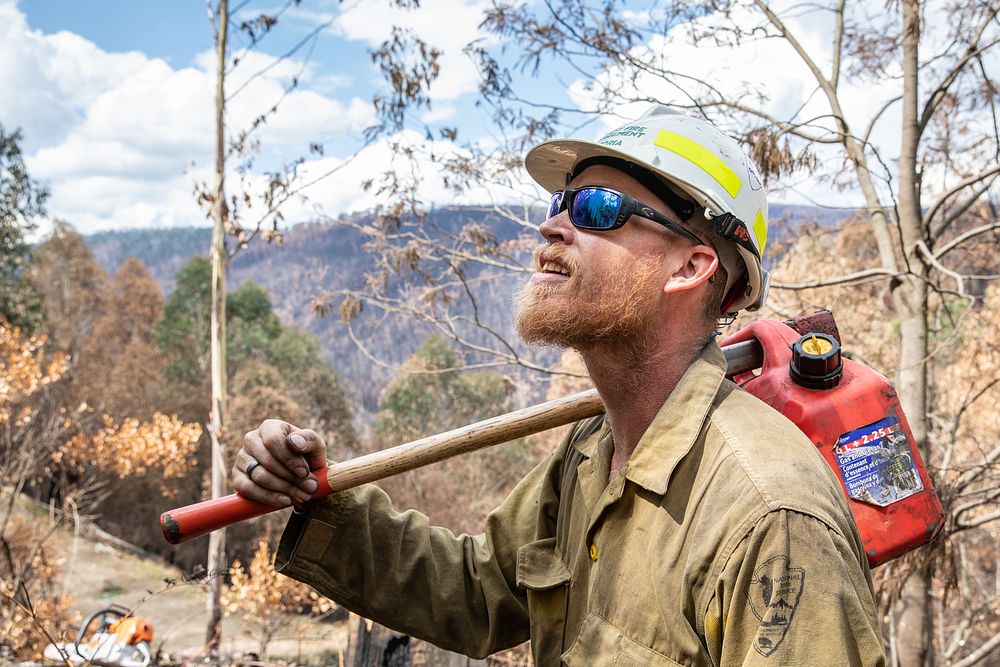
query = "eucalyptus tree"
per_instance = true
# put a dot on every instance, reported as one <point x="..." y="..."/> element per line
<point x="22" y="201"/>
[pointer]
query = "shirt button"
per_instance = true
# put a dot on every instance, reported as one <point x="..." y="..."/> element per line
<point x="593" y="552"/>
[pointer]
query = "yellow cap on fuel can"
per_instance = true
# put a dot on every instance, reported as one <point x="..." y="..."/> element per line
<point x="816" y="362"/>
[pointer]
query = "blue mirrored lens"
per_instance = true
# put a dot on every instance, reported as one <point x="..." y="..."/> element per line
<point x="555" y="205"/>
<point x="596" y="209"/>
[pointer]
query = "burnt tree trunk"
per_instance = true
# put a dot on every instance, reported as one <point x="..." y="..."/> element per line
<point x="374" y="645"/>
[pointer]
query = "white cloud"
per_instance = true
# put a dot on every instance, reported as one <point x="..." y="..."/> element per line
<point x="122" y="138"/>
<point x="329" y="83"/>
<point x="337" y="184"/>
<point x="119" y="138"/>
<point x="46" y="81"/>
<point x="440" y="112"/>
<point x="771" y="70"/>
<point x="448" y="25"/>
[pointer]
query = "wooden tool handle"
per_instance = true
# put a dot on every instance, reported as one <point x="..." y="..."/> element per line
<point x="186" y="523"/>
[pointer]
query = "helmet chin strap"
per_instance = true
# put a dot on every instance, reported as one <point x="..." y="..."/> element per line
<point x="731" y="228"/>
<point x="735" y="292"/>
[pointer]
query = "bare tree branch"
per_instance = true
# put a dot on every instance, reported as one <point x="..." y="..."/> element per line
<point x="247" y="27"/>
<point x="799" y="49"/>
<point x="964" y="183"/>
<point x="981" y="653"/>
<point x="288" y="54"/>
<point x="986" y="496"/>
<point x="973" y="473"/>
<point x="29" y="610"/>
<point x="957" y="421"/>
<point x="838" y="43"/>
<point x="973" y="51"/>
<point x="962" y="238"/>
<point x="852" y="278"/>
<point x="878" y="114"/>
<point x="930" y="259"/>
<point x="979" y="520"/>
<point x="795" y="129"/>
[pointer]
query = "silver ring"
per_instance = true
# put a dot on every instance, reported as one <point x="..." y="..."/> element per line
<point x="251" y="467"/>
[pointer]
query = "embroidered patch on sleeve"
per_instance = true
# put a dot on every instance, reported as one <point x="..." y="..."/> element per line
<point x="774" y="594"/>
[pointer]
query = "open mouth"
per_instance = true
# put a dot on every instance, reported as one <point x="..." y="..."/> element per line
<point x="552" y="266"/>
<point x="550" y="262"/>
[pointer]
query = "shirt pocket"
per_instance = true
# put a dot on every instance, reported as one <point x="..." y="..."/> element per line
<point x="545" y="578"/>
<point x="601" y="644"/>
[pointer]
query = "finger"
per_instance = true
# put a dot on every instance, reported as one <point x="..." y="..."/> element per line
<point x="242" y="463"/>
<point x="266" y="487"/>
<point x="273" y="484"/>
<point x="246" y="487"/>
<point x="274" y="435"/>
<point x="310" y="445"/>
<point x="262" y="443"/>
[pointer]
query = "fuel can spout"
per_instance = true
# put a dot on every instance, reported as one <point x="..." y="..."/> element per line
<point x="851" y="413"/>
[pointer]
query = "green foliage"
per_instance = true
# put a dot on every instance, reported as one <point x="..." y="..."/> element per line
<point x="21" y="200"/>
<point x="314" y="385"/>
<point x="182" y="330"/>
<point x="431" y="396"/>
<point x="260" y="353"/>
<point x="251" y="327"/>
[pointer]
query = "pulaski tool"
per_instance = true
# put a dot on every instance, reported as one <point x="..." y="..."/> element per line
<point x="849" y="412"/>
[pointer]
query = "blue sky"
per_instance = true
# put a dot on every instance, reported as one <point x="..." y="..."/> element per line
<point x="181" y="27"/>
<point x="115" y="100"/>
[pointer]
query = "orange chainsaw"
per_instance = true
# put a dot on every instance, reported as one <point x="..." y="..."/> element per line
<point x="110" y="636"/>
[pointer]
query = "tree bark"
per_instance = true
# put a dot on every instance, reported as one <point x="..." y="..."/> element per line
<point x="217" y="540"/>
<point x="910" y="294"/>
<point x="372" y="645"/>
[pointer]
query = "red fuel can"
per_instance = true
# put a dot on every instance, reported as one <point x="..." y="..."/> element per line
<point x="853" y="416"/>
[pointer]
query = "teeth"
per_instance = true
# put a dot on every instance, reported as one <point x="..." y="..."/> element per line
<point x="552" y="267"/>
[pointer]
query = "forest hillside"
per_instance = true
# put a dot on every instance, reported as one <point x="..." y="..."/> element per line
<point x="315" y="257"/>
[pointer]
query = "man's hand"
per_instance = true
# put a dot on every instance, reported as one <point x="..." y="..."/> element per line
<point x="286" y="455"/>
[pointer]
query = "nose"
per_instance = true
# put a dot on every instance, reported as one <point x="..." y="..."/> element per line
<point x="558" y="229"/>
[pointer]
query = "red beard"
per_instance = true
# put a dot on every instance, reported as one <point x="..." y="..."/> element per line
<point x="587" y="310"/>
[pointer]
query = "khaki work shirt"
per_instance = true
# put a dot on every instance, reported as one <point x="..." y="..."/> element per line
<point x="724" y="540"/>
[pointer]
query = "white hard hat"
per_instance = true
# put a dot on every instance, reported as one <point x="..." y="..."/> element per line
<point x="700" y="160"/>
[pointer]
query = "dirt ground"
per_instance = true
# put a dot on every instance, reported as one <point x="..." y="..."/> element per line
<point x="99" y="575"/>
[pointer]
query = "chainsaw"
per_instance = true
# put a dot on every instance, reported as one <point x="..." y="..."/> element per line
<point x="111" y="636"/>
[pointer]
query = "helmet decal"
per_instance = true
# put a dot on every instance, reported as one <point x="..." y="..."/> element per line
<point x="760" y="229"/>
<point x="755" y="183"/>
<point x="701" y="157"/>
<point x="614" y="138"/>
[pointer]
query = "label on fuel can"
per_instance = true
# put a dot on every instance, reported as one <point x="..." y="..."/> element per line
<point x="876" y="463"/>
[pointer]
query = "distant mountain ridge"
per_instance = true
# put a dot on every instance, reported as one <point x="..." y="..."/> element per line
<point x="165" y="251"/>
<point x="314" y="257"/>
<point x="318" y="256"/>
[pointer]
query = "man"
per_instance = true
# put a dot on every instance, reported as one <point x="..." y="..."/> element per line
<point x="691" y="526"/>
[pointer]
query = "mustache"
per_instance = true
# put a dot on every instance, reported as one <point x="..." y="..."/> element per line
<point x="548" y="252"/>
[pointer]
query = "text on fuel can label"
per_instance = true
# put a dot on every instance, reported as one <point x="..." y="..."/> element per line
<point x="876" y="463"/>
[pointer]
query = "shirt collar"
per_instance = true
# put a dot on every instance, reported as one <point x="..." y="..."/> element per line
<point x="677" y="425"/>
<point x="588" y="446"/>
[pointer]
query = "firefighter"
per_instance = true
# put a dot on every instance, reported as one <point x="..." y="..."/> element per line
<point x="691" y="525"/>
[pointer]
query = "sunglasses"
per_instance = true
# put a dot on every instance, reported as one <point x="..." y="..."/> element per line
<point x="602" y="209"/>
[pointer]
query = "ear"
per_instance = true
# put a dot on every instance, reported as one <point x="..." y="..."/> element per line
<point x="696" y="266"/>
